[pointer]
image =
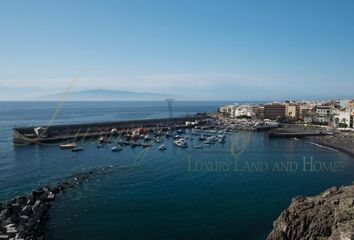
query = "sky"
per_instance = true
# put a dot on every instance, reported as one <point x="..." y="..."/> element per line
<point x="196" y="50"/>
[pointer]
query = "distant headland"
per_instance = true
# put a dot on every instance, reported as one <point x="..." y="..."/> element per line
<point x="105" y="95"/>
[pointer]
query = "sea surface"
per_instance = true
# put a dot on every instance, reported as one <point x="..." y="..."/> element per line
<point x="228" y="191"/>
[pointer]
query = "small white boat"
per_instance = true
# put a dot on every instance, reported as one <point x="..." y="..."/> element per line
<point x="102" y="139"/>
<point x="198" y="146"/>
<point x="77" y="149"/>
<point x="68" y="146"/>
<point x="162" y="147"/>
<point x="117" y="149"/>
<point x="182" y="144"/>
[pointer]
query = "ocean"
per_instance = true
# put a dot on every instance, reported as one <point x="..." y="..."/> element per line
<point x="228" y="191"/>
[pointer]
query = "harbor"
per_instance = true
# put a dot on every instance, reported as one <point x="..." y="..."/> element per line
<point x="147" y="158"/>
<point x="69" y="132"/>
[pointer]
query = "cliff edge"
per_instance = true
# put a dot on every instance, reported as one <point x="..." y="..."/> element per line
<point x="328" y="216"/>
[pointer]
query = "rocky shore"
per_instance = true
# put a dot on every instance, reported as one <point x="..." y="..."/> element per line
<point x="328" y="216"/>
<point x="24" y="217"/>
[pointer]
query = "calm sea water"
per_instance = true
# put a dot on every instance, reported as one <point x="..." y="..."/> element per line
<point x="228" y="191"/>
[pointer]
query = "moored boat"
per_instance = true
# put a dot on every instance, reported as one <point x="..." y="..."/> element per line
<point x="117" y="149"/>
<point x="68" y="146"/>
<point x="77" y="149"/>
<point x="162" y="147"/>
<point x="181" y="143"/>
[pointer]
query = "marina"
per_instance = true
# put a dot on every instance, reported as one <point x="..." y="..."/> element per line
<point x="142" y="171"/>
<point x="64" y="133"/>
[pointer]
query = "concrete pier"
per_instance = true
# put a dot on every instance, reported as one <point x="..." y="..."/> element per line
<point x="68" y="132"/>
<point x="274" y="134"/>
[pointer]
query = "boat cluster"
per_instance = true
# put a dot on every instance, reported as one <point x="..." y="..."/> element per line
<point x="234" y="124"/>
<point x="206" y="138"/>
<point x="148" y="137"/>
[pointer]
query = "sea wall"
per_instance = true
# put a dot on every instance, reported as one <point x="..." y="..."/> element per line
<point x="65" y="132"/>
<point x="24" y="217"/>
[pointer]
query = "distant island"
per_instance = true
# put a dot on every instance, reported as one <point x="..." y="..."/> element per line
<point x="106" y="95"/>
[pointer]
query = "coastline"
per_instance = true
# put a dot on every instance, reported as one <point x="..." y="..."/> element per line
<point x="335" y="143"/>
<point x="25" y="216"/>
<point x="340" y="141"/>
<point x="326" y="215"/>
<point x="37" y="228"/>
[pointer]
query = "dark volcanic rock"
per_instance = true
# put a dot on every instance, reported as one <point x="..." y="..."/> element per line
<point x="24" y="217"/>
<point x="328" y="216"/>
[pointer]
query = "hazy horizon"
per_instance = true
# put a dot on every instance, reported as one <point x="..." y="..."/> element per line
<point x="273" y="50"/>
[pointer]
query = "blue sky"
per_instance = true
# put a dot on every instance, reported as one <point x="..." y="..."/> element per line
<point x="200" y="50"/>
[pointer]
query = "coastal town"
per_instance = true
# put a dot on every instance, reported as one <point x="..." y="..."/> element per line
<point x="337" y="114"/>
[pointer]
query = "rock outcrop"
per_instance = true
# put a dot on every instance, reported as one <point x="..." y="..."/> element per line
<point x="24" y="217"/>
<point x="328" y="216"/>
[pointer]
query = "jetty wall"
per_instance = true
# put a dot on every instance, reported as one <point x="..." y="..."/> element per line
<point x="64" y="132"/>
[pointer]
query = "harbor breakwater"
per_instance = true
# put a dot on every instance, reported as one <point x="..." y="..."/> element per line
<point x="24" y="217"/>
<point x="67" y="132"/>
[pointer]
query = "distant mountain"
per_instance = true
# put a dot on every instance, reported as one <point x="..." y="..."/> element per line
<point x="106" y="95"/>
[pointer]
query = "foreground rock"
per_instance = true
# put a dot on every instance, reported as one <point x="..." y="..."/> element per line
<point x="24" y="216"/>
<point x="328" y="216"/>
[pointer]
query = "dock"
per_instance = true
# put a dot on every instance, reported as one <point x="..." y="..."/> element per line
<point x="274" y="134"/>
<point x="68" y="132"/>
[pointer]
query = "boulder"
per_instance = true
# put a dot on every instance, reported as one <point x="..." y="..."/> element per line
<point x="5" y="213"/>
<point x="327" y="216"/>
<point x="26" y="210"/>
<point x="51" y="197"/>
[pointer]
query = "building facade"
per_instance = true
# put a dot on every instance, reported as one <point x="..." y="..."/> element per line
<point x="273" y="111"/>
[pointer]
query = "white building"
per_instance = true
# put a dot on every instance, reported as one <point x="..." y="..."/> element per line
<point x="241" y="111"/>
<point x="342" y="117"/>
<point x="324" y="114"/>
<point x="236" y="110"/>
<point x="344" y="103"/>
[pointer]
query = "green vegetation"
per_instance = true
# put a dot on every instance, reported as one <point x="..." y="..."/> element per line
<point x="342" y="125"/>
<point x="244" y="117"/>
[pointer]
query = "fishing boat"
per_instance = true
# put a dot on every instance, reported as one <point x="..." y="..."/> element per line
<point x="181" y="143"/>
<point x="77" y="149"/>
<point x="208" y="142"/>
<point x="162" y="147"/>
<point x="147" y="138"/>
<point x="117" y="149"/>
<point x="101" y="139"/>
<point x="176" y="136"/>
<point x="145" y="145"/>
<point x="68" y="146"/>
